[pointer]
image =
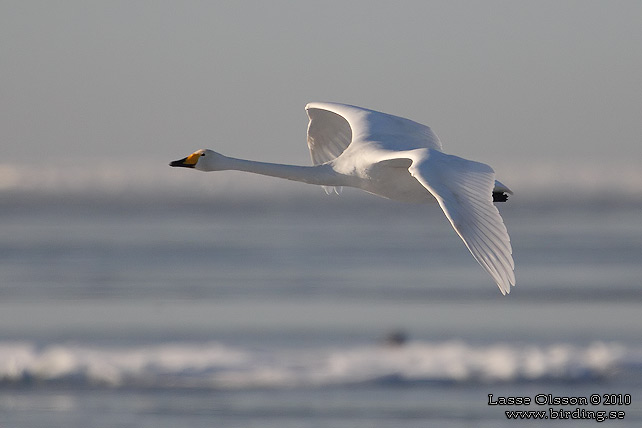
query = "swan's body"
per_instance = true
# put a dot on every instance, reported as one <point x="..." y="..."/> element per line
<point x="398" y="159"/>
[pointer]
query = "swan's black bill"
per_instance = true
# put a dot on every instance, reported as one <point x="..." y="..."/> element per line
<point x="182" y="163"/>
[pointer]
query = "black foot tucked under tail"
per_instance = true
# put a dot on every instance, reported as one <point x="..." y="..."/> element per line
<point x="500" y="197"/>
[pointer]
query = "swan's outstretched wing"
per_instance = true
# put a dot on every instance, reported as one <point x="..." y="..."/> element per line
<point x="333" y="127"/>
<point x="464" y="189"/>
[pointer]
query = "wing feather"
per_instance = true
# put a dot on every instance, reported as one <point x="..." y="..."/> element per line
<point x="463" y="189"/>
<point x="329" y="134"/>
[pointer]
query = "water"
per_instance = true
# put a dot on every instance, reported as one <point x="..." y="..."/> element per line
<point x="149" y="311"/>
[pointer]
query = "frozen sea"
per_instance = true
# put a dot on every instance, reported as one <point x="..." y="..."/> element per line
<point x="124" y="310"/>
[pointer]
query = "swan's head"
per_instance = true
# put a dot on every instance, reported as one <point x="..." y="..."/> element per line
<point x="203" y="160"/>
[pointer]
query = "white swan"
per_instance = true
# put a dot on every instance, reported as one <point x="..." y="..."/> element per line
<point x="398" y="159"/>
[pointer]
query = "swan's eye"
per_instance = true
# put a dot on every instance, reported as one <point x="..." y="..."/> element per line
<point x="202" y="154"/>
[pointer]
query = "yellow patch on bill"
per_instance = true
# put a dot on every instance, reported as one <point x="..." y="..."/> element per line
<point x="192" y="159"/>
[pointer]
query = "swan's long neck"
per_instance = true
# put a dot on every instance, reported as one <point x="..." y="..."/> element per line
<point x="320" y="174"/>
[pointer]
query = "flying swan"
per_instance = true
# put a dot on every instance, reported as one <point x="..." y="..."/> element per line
<point x="398" y="159"/>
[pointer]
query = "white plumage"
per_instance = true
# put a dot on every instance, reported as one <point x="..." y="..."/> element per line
<point x="398" y="159"/>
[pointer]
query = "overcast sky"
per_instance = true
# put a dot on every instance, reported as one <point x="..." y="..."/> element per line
<point x="155" y="80"/>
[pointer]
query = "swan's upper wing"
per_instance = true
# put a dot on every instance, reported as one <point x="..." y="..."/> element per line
<point x="464" y="189"/>
<point x="333" y="127"/>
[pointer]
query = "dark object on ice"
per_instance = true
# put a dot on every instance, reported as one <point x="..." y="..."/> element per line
<point x="396" y="338"/>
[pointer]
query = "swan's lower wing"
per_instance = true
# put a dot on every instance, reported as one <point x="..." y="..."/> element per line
<point x="464" y="189"/>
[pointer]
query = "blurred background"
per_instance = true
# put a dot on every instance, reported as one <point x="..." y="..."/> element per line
<point x="134" y="294"/>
